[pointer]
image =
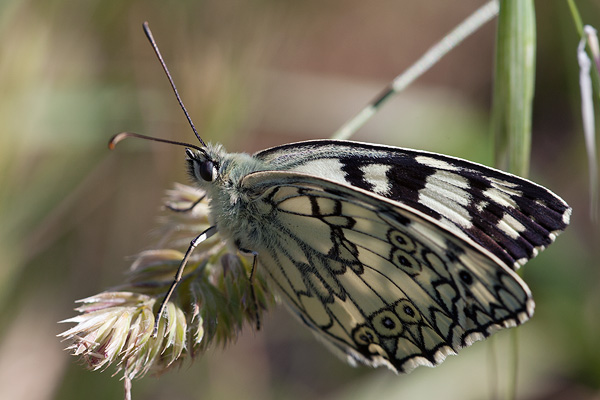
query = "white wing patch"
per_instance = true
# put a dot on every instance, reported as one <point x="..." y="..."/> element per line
<point x="375" y="174"/>
<point x="328" y="168"/>
<point x="445" y="193"/>
<point x="509" y="225"/>
<point x="500" y="197"/>
<point x="436" y="163"/>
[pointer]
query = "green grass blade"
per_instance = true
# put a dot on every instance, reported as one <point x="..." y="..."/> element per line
<point x="514" y="85"/>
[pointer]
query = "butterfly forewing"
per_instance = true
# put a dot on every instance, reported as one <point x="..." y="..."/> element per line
<point x="510" y="217"/>
<point x="383" y="283"/>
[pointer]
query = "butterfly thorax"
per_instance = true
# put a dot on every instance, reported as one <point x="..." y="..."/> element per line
<point x="231" y="208"/>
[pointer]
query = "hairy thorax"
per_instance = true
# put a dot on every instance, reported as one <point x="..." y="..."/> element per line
<point x="232" y="206"/>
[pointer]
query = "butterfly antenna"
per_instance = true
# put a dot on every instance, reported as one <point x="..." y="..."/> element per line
<point x="123" y="135"/>
<point x="148" y="33"/>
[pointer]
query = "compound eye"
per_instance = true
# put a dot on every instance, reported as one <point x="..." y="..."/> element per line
<point x="207" y="170"/>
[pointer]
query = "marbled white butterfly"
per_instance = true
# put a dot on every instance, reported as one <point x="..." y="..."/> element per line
<point x="392" y="256"/>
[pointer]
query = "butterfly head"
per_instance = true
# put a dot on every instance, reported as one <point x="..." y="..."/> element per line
<point x="219" y="172"/>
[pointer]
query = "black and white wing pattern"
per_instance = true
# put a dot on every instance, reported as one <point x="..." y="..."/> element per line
<point x="509" y="216"/>
<point x="381" y="282"/>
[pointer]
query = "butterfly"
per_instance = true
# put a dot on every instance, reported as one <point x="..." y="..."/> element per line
<point x="392" y="257"/>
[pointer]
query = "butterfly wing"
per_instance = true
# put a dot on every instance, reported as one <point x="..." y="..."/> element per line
<point x="509" y="216"/>
<point x="376" y="280"/>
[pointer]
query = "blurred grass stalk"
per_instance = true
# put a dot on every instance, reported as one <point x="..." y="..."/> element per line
<point x="588" y="85"/>
<point x="590" y="39"/>
<point x="431" y="57"/>
<point x="578" y="22"/>
<point x="512" y="103"/>
<point x="513" y="85"/>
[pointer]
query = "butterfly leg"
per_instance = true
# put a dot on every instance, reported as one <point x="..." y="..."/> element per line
<point x="197" y="240"/>
<point x="254" y="255"/>
<point x="185" y="209"/>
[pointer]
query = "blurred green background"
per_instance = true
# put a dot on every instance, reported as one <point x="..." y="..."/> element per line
<point x="255" y="74"/>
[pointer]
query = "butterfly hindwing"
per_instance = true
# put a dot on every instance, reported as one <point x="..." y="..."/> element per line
<point x="383" y="283"/>
<point x="509" y="216"/>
